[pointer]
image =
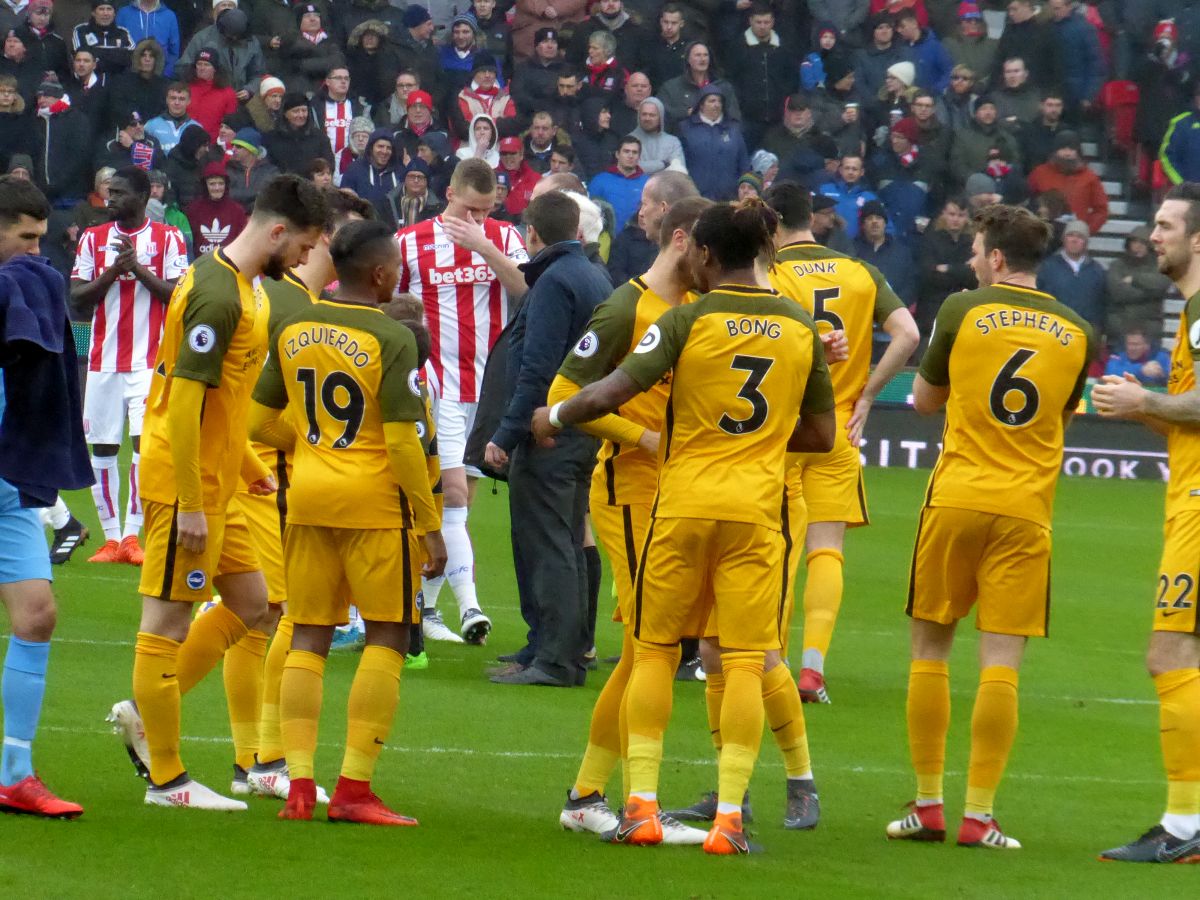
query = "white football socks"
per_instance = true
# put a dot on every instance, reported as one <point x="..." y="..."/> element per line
<point x="460" y="562"/>
<point x="107" y="493"/>
<point x="133" y="505"/>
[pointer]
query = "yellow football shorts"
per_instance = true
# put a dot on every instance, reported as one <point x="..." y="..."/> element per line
<point x="621" y="531"/>
<point x="172" y="573"/>
<point x="694" y="568"/>
<point x="330" y="568"/>
<point x="794" y="521"/>
<point x="834" y="490"/>
<point x="265" y="517"/>
<point x="1175" y="604"/>
<point x="998" y="564"/>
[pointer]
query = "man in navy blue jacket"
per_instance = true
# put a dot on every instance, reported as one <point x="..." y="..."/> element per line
<point x="1076" y="279"/>
<point x="1082" y="61"/>
<point x="41" y="451"/>
<point x="548" y="486"/>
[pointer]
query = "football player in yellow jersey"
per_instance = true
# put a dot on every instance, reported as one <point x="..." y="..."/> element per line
<point x="1008" y="362"/>
<point x="341" y="386"/>
<point x="251" y="672"/>
<point x="842" y="294"/>
<point x="1174" y="655"/>
<point x="194" y="450"/>
<point x="749" y="382"/>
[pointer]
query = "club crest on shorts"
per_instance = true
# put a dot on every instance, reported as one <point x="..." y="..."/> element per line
<point x="1194" y="335"/>
<point x="202" y="338"/>
<point x="651" y="339"/>
<point x="588" y="345"/>
<point x="414" y="382"/>
<point x="196" y="579"/>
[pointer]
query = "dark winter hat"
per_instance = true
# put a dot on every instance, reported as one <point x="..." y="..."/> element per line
<point x="418" y="165"/>
<point x="51" y="89"/>
<point x="292" y="99"/>
<point x="305" y="8"/>
<point x="481" y="61"/>
<point x="233" y="23"/>
<point x="822" y="202"/>
<point x="837" y="67"/>
<point x="249" y="139"/>
<point x="416" y="15"/>
<point x="545" y="34"/>
<point x="208" y="55"/>
<point x="1065" y="139"/>
<point x="872" y="208"/>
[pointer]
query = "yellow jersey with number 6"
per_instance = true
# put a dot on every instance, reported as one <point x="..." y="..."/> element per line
<point x="1015" y="360"/>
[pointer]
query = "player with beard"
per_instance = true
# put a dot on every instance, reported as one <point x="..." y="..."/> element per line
<point x="195" y="448"/>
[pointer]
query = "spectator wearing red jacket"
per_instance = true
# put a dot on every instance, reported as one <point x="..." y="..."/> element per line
<point x="1066" y="172"/>
<point x="212" y="97"/>
<point x="521" y="177"/>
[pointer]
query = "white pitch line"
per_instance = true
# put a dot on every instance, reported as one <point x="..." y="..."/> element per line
<point x="708" y="762"/>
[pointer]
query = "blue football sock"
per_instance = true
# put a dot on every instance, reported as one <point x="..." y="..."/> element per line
<point x="22" y="688"/>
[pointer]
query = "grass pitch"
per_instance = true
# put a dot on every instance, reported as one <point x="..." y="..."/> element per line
<point x="484" y="767"/>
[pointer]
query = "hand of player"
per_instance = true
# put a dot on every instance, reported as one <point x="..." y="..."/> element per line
<point x="837" y="348"/>
<point x="649" y="442"/>
<point x="543" y="431"/>
<point x="495" y="457"/>
<point x="263" y="487"/>
<point x="1119" y="398"/>
<point x="467" y="233"/>
<point x="858" y="421"/>
<point x="435" y="547"/>
<point x="126" y="259"/>
<point x="191" y="530"/>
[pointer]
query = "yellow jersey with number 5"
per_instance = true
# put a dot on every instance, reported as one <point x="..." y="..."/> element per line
<point x="841" y="294"/>
<point x="1015" y="360"/>
<point x="746" y="364"/>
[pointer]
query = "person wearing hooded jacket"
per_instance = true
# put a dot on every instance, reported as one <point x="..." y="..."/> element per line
<point x="249" y="170"/>
<point x="882" y="51"/>
<point x="1136" y="289"/>
<point x="376" y="173"/>
<point x="297" y="141"/>
<point x="45" y="48"/>
<point x="595" y="142"/>
<point x="713" y="146"/>
<point x="481" y="144"/>
<point x="659" y="149"/>
<point x="141" y="86"/>
<point x="185" y="162"/>
<point x="214" y="216"/>
<point x="152" y="19"/>
<point x="372" y="61"/>
<point x="680" y="95"/>
<point x="239" y="51"/>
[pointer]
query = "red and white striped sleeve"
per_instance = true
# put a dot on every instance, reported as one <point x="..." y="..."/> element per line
<point x="85" y="257"/>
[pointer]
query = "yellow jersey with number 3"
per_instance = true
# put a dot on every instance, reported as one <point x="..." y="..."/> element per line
<point x="342" y="370"/>
<point x="1183" y="444"/>
<point x="746" y="364"/>
<point x="840" y="293"/>
<point x="1014" y="359"/>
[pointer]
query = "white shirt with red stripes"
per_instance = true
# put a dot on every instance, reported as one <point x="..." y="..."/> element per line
<point x="466" y="306"/>
<point x="128" y="324"/>
<point x="338" y="116"/>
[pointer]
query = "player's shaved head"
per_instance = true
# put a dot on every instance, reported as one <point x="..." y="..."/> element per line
<point x="682" y="216"/>
<point x="359" y="248"/>
<point x="473" y="174"/>
<point x="670" y="187"/>
<point x="558" y="181"/>
<point x="792" y="203"/>
<point x="1017" y="233"/>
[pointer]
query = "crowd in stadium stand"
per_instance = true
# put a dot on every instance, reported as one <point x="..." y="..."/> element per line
<point x="901" y="116"/>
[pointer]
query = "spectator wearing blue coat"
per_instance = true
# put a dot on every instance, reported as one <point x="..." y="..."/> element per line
<point x="713" y="146"/>
<point x="1083" y="64"/>
<point x="932" y="59"/>
<point x="458" y="55"/>
<point x="151" y="19"/>
<point x="875" y="246"/>
<point x="621" y="184"/>
<point x="1140" y="359"/>
<point x="849" y="192"/>
<point x="1074" y="278"/>
<point x="376" y="173"/>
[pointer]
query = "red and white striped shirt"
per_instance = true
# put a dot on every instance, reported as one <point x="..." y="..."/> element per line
<point x="128" y="324"/>
<point x="338" y="116"/>
<point x="466" y="306"/>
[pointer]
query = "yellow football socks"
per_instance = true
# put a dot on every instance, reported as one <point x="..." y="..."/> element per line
<point x="1179" y="727"/>
<point x="156" y="692"/>
<point x="648" y="712"/>
<point x="270" y="741"/>
<point x="370" y="710"/>
<point x="928" y="712"/>
<point x="300" y="696"/>
<point x="243" y="674"/>
<point x="785" y="716"/>
<point x="210" y="636"/>
<point x="822" y="598"/>
<point x="604" y="735"/>
<point x="714" y="698"/>
<point x="993" y="729"/>
<point x="741" y="725"/>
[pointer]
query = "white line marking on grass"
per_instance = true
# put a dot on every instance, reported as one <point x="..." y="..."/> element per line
<point x="683" y="761"/>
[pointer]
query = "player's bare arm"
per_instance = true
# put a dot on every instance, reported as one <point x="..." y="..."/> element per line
<point x="469" y="235"/>
<point x="598" y="398"/>
<point x="814" y="433"/>
<point x="929" y="398"/>
<point x="901" y="328"/>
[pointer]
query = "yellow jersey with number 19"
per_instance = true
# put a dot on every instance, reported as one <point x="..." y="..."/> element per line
<point x="342" y="370"/>
<point x="1183" y="444"/>
<point x="215" y="333"/>
<point x="746" y="364"/>
<point x="1015" y="360"/>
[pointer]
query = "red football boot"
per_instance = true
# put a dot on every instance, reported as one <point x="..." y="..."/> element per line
<point x="31" y="797"/>
<point x="353" y="801"/>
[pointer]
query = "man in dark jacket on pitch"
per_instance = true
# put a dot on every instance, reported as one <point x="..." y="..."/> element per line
<point x="548" y="486"/>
